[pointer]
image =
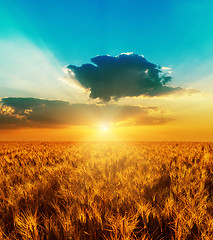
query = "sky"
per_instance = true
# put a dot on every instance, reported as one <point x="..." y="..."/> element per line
<point x="106" y="70"/>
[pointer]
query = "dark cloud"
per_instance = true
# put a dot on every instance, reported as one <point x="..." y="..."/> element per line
<point x="42" y="113"/>
<point x="8" y="121"/>
<point x="121" y="76"/>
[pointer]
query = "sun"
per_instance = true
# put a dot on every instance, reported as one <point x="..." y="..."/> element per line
<point x="104" y="128"/>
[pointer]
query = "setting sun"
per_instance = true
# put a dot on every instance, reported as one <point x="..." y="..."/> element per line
<point x="104" y="128"/>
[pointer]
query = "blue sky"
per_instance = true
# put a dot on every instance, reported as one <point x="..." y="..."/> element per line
<point x="176" y="34"/>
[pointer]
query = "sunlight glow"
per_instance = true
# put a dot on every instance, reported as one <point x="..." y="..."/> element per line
<point x="104" y="128"/>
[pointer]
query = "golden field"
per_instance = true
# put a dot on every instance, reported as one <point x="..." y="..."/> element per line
<point x="116" y="191"/>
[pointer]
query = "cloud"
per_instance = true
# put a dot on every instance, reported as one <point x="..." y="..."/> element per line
<point x="127" y="74"/>
<point x="44" y="113"/>
<point x="8" y="121"/>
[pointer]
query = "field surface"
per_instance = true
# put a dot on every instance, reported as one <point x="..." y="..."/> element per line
<point x="116" y="191"/>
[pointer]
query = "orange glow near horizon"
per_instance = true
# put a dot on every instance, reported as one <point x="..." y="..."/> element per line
<point x="191" y="120"/>
<point x="168" y="132"/>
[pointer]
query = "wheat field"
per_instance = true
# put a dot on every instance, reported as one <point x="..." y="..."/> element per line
<point x="116" y="191"/>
